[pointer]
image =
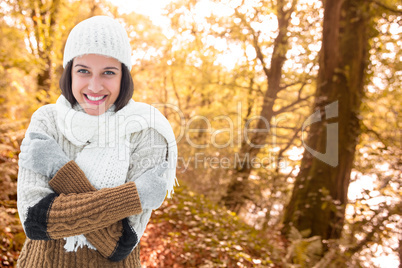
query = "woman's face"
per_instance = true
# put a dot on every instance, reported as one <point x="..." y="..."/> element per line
<point x="96" y="82"/>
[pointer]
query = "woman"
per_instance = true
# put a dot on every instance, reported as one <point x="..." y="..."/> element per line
<point x="94" y="165"/>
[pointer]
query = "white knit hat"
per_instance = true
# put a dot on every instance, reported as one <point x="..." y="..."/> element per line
<point x="98" y="35"/>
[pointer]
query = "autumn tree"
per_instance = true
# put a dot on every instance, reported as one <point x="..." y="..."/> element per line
<point x="379" y="152"/>
<point x="38" y="20"/>
<point x="319" y="198"/>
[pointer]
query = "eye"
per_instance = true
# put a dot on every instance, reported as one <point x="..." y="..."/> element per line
<point x="83" y="71"/>
<point x="109" y="73"/>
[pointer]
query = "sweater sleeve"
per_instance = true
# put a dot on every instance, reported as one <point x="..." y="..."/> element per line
<point x="114" y="242"/>
<point x="47" y="215"/>
<point x="149" y="149"/>
<point x="33" y="187"/>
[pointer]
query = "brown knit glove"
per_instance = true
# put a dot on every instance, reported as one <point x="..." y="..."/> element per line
<point x="112" y="242"/>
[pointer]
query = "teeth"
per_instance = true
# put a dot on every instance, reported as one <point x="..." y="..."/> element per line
<point x="95" y="98"/>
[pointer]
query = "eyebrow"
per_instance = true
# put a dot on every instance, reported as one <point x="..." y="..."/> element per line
<point x="106" y="68"/>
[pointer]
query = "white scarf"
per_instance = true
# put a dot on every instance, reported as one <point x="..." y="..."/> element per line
<point x="106" y="140"/>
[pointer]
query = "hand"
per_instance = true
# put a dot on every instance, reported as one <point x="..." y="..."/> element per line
<point x="152" y="187"/>
<point x="41" y="154"/>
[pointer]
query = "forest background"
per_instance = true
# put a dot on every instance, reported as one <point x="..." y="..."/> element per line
<point x="287" y="115"/>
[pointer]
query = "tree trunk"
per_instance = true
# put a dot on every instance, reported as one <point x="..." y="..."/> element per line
<point x="319" y="197"/>
<point x="43" y="16"/>
<point x="44" y="77"/>
<point x="237" y="192"/>
<point x="400" y="250"/>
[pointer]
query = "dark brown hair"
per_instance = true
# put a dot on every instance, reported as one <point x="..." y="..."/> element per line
<point x="126" y="86"/>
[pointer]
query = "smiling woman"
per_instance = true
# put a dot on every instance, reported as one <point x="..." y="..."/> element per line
<point x="84" y="198"/>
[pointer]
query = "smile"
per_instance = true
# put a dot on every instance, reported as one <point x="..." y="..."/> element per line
<point x="95" y="100"/>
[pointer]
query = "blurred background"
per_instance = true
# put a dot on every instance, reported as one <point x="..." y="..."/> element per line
<point x="287" y="115"/>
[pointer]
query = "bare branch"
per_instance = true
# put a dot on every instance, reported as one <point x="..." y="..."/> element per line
<point x="175" y="90"/>
<point x="290" y="128"/>
<point x="376" y="134"/>
<point x="283" y="150"/>
<point x="377" y="222"/>
<point x="391" y="9"/>
<point x="287" y="108"/>
<point x="305" y="82"/>
<point x="256" y="45"/>
<point x="257" y="90"/>
<point x="290" y="85"/>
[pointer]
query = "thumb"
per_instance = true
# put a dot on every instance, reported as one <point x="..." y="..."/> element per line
<point x="38" y="136"/>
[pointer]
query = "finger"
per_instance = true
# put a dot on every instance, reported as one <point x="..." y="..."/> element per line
<point x="38" y="136"/>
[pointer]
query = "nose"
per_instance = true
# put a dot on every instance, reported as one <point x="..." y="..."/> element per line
<point x="95" y="84"/>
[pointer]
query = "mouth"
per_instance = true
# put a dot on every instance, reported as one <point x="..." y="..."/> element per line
<point x="95" y="99"/>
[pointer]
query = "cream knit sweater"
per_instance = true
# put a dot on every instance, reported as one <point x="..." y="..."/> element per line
<point x="72" y="210"/>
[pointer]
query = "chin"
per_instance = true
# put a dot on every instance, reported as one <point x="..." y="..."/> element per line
<point x="95" y="111"/>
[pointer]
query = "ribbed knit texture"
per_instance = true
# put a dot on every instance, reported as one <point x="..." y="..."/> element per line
<point x="33" y="187"/>
<point x="39" y="253"/>
<point x="113" y="242"/>
<point x="71" y="179"/>
<point x="105" y="240"/>
<point x="101" y="209"/>
<point x="98" y="35"/>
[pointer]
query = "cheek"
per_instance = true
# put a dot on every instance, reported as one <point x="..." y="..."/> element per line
<point x="74" y="87"/>
<point x="76" y="93"/>
<point x="76" y="84"/>
<point x="116" y="91"/>
<point x="114" y="87"/>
